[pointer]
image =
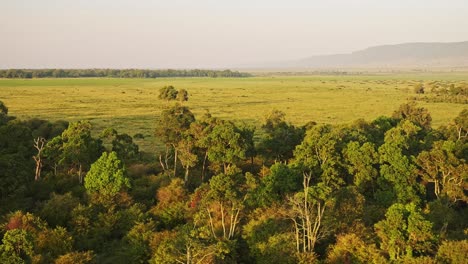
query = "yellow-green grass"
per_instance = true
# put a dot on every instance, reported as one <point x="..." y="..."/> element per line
<point x="132" y="105"/>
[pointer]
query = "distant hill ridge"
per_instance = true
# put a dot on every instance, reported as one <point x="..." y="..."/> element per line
<point x="419" y="55"/>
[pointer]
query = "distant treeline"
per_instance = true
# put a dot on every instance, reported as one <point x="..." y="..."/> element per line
<point x="116" y="73"/>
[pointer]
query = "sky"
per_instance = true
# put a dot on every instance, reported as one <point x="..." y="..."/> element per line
<point x="213" y="33"/>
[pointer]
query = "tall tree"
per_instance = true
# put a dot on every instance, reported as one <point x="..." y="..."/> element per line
<point x="225" y="144"/>
<point x="405" y="232"/>
<point x="280" y="137"/>
<point x="172" y="125"/>
<point x="39" y="146"/>
<point x="418" y="115"/>
<point x="397" y="165"/>
<point x="107" y="176"/>
<point x="441" y="167"/>
<point x="79" y="149"/>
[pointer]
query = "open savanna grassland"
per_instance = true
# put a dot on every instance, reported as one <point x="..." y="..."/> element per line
<point x="132" y="105"/>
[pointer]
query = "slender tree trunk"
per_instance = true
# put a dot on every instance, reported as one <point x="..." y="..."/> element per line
<point x="167" y="157"/>
<point x="186" y="174"/>
<point x="80" y="178"/>
<point x="211" y="224"/>
<point x="161" y="162"/>
<point x="37" y="175"/>
<point x="204" y="165"/>
<point x="222" y="220"/>
<point x="39" y="145"/>
<point x="175" y="161"/>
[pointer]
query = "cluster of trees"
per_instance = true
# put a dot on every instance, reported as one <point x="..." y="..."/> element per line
<point x="392" y="190"/>
<point x="442" y="92"/>
<point x="115" y="73"/>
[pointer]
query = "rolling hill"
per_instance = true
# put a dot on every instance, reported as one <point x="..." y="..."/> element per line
<point x="407" y="55"/>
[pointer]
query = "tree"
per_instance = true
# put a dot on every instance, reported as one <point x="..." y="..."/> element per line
<point x="185" y="246"/>
<point x="167" y="93"/>
<point x="3" y="113"/>
<point x="16" y="163"/>
<point x="268" y="236"/>
<point x="76" y="258"/>
<point x="418" y="115"/>
<point x="405" y="232"/>
<point x="122" y="144"/>
<point x="454" y="252"/>
<point x="280" y="137"/>
<point x="278" y="183"/>
<point x="349" y="248"/>
<point x="319" y="155"/>
<point x="39" y="146"/>
<point x="57" y="210"/>
<point x="182" y="95"/>
<point x="307" y="210"/>
<point x="187" y="156"/>
<point x="441" y="167"/>
<point x="107" y="176"/>
<point x="222" y="204"/>
<point x="396" y="163"/>
<point x="461" y="124"/>
<point x="17" y="246"/>
<point x="225" y="144"/>
<point x="138" y="240"/>
<point x="79" y="149"/>
<point x="172" y="125"/>
<point x="363" y="160"/>
<point x="51" y="243"/>
<point x="171" y="207"/>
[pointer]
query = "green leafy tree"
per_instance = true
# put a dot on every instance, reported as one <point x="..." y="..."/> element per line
<point x="319" y="155"/>
<point x="278" y="183"/>
<point x="51" y="243"/>
<point x="122" y="144"/>
<point x="172" y="125"/>
<point x="222" y="204"/>
<point x="184" y="245"/>
<point x="441" y="167"/>
<point x="225" y="144"/>
<point x="396" y="162"/>
<point x="78" y="148"/>
<point x="307" y="210"/>
<point x="461" y="124"/>
<point x="3" y="113"/>
<point x="268" y="236"/>
<point x="405" y="232"/>
<point x="17" y="246"/>
<point x="280" y="137"/>
<point x="139" y="239"/>
<point x="57" y="210"/>
<point x="453" y="252"/>
<point x="350" y="248"/>
<point x="418" y="115"/>
<point x="76" y="258"/>
<point x="16" y="163"/>
<point x="168" y="93"/>
<point x="362" y="164"/>
<point x="107" y="176"/>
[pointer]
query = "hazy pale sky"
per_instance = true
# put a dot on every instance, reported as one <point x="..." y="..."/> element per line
<point x="212" y="33"/>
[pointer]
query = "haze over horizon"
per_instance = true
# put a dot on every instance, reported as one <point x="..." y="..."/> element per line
<point x="212" y="34"/>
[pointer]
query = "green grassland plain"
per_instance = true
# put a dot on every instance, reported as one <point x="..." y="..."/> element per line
<point x="132" y="105"/>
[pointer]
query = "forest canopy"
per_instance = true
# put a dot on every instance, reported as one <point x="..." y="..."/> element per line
<point x="116" y="73"/>
<point x="389" y="190"/>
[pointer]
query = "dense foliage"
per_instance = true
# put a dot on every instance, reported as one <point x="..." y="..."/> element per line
<point x="392" y="190"/>
<point x="115" y="73"/>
